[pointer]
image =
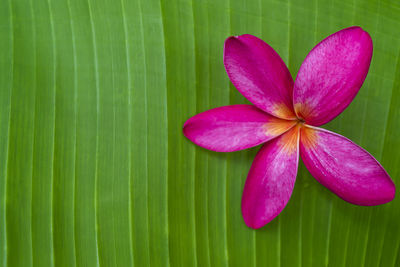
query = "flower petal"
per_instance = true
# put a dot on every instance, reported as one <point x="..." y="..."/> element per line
<point x="259" y="74"/>
<point x="233" y="128"/>
<point x="271" y="179"/>
<point x="345" y="168"/>
<point x="331" y="75"/>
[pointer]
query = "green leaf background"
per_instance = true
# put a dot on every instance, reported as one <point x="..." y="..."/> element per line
<point x="95" y="170"/>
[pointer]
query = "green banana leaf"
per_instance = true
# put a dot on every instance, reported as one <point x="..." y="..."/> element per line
<point x="95" y="170"/>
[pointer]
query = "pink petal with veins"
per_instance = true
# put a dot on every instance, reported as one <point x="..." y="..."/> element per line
<point x="345" y="168"/>
<point x="259" y="74"/>
<point x="233" y="128"/>
<point x="331" y="75"/>
<point x="271" y="179"/>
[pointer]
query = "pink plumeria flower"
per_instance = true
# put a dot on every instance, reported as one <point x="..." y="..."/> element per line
<point x="285" y="117"/>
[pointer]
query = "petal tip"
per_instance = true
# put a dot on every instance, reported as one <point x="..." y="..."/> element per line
<point x="387" y="193"/>
<point x="252" y="221"/>
<point x="387" y="196"/>
<point x="231" y="38"/>
<point x="238" y="37"/>
<point x="392" y="192"/>
<point x="254" y="225"/>
<point x="185" y="126"/>
<point x="382" y="196"/>
<point x="361" y="33"/>
<point x="255" y="221"/>
<point x="242" y="38"/>
<point x="186" y="133"/>
<point x="354" y="28"/>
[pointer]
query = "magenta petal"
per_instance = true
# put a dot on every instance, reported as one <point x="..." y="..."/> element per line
<point x="271" y="179"/>
<point x="345" y="168"/>
<point x="331" y="75"/>
<point x="233" y="128"/>
<point x="259" y="74"/>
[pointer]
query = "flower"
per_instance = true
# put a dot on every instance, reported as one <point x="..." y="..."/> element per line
<point x="285" y="117"/>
